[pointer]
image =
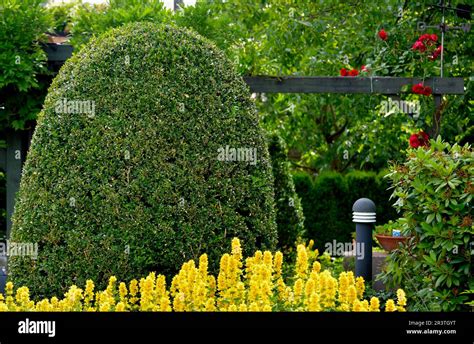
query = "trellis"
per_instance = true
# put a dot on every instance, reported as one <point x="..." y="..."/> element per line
<point x="12" y="158"/>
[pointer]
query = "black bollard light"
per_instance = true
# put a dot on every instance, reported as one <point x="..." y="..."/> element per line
<point x="364" y="218"/>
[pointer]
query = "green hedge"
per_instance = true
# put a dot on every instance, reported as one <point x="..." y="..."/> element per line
<point x="289" y="212"/>
<point x="327" y="202"/>
<point x="139" y="185"/>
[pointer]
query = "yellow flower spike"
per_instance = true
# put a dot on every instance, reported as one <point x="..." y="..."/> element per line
<point x="178" y="303"/>
<point x="314" y="304"/>
<point x="298" y="290"/>
<point x="311" y="244"/>
<point x="212" y="286"/>
<point x="374" y="304"/>
<point x="133" y="290"/>
<point x="365" y="305"/>
<point x="401" y="298"/>
<point x="89" y="293"/>
<point x="237" y="250"/>
<point x="258" y="257"/>
<point x="309" y="289"/>
<point x="268" y="260"/>
<point x="223" y="273"/>
<point x="9" y="289"/>
<point x="351" y="294"/>
<point x="301" y="262"/>
<point x="210" y="305"/>
<point x="316" y="267"/>
<point x="278" y="264"/>
<point x="165" y="304"/>
<point x="315" y="254"/>
<point x="254" y="307"/>
<point x="351" y="278"/>
<point x="390" y="306"/>
<point x="343" y="287"/>
<point x="357" y="306"/>
<point x="203" y="265"/>
<point x="120" y="307"/>
<point x="360" y="286"/>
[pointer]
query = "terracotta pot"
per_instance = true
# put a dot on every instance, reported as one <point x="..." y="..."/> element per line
<point x="390" y="243"/>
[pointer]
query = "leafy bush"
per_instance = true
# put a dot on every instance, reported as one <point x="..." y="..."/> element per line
<point x="138" y="184"/>
<point x="434" y="189"/>
<point x="289" y="213"/>
<point x="255" y="284"/>
<point x="21" y="59"/>
<point x="92" y="20"/>
<point x="327" y="202"/>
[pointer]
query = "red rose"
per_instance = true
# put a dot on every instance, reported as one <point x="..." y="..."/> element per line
<point x="364" y="69"/>
<point x="434" y="37"/>
<point x="353" y="72"/>
<point x="424" y="136"/>
<point x="427" y="91"/>
<point x="419" y="140"/>
<point x="436" y="53"/>
<point x="343" y="72"/>
<point x="383" y="35"/>
<point x="414" y="142"/>
<point x="418" y="88"/>
<point x="418" y="45"/>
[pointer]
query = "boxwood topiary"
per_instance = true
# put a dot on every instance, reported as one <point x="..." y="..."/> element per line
<point x="143" y="177"/>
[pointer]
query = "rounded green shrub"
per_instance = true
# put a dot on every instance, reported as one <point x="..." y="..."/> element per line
<point x="289" y="212"/>
<point x="147" y="153"/>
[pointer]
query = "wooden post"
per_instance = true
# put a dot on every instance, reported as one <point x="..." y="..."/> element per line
<point x="14" y="157"/>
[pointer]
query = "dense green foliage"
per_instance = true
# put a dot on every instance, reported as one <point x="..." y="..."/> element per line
<point x="341" y="132"/>
<point x="93" y="20"/>
<point x="289" y="213"/>
<point x="22" y="25"/>
<point x="434" y="190"/>
<point x="139" y="184"/>
<point x="327" y="202"/>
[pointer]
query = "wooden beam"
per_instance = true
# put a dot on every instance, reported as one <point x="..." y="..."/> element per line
<point x="58" y="53"/>
<point x="313" y="84"/>
<point x="13" y="172"/>
<point x="3" y="158"/>
<point x="376" y="85"/>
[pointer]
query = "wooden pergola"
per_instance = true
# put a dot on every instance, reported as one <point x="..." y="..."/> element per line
<point x="13" y="157"/>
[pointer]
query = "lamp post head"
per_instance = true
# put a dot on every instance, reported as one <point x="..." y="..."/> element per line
<point x="364" y="211"/>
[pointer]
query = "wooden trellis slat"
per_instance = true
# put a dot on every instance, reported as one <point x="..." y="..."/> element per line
<point x="375" y="85"/>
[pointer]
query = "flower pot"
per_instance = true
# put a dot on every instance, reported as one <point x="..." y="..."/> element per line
<point x="390" y="243"/>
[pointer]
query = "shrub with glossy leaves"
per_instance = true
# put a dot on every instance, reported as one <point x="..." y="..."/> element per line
<point x="434" y="190"/>
<point x="126" y="173"/>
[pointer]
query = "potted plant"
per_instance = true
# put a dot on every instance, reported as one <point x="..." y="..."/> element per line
<point x="390" y="235"/>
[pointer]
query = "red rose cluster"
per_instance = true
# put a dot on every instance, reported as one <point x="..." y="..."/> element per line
<point x="420" y="89"/>
<point x="419" y="140"/>
<point x="353" y="72"/>
<point x="425" y="42"/>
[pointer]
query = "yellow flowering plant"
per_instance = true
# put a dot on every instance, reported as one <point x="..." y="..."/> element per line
<point x="254" y="284"/>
